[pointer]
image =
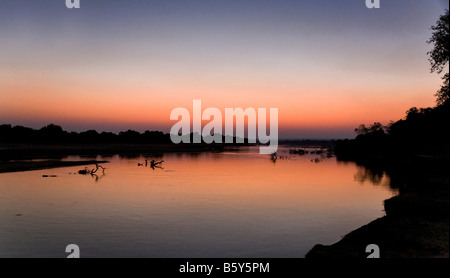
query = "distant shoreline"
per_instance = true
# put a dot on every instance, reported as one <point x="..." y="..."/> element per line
<point x="10" y="152"/>
<point x="27" y="151"/>
<point x="22" y="166"/>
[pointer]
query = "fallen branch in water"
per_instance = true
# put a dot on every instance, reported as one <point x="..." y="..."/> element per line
<point x="86" y="171"/>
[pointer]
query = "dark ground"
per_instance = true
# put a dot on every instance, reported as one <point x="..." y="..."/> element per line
<point x="416" y="224"/>
<point x="399" y="234"/>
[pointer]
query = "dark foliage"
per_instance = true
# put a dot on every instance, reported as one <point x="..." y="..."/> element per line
<point x="423" y="132"/>
<point x="439" y="56"/>
<point x="51" y="134"/>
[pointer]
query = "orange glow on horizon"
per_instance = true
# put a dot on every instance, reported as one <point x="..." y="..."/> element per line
<point x="66" y="100"/>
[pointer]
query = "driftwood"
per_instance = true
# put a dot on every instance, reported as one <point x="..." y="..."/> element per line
<point x="156" y="164"/>
<point x="86" y="171"/>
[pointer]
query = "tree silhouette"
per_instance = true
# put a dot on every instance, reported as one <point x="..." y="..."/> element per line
<point x="440" y="54"/>
<point x="55" y="134"/>
<point x="376" y="129"/>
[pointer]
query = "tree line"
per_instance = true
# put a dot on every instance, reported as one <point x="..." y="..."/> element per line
<point x="424" y="131"/>
<point x="55" y="134"/>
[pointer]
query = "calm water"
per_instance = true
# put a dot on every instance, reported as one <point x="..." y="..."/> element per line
<point x="232" y="204"/>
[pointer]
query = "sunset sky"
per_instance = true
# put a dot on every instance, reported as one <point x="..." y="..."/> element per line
<point x="327" y="65"/>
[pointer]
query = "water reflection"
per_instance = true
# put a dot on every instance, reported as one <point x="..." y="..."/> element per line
<point x="372" y="175"/>
<point x="230" y="204"/>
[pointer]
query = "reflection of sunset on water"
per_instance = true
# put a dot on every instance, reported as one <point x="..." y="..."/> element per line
<point x="243" y="198"/>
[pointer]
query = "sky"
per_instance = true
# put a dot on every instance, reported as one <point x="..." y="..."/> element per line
<point x="327" y="65"/>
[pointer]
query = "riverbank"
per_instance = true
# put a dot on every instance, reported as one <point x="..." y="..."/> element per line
<point x="416" y="224"/>
<point x="10" y="152"/>
<point x="19" y="166"/>
<point x="402" y="233"/>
